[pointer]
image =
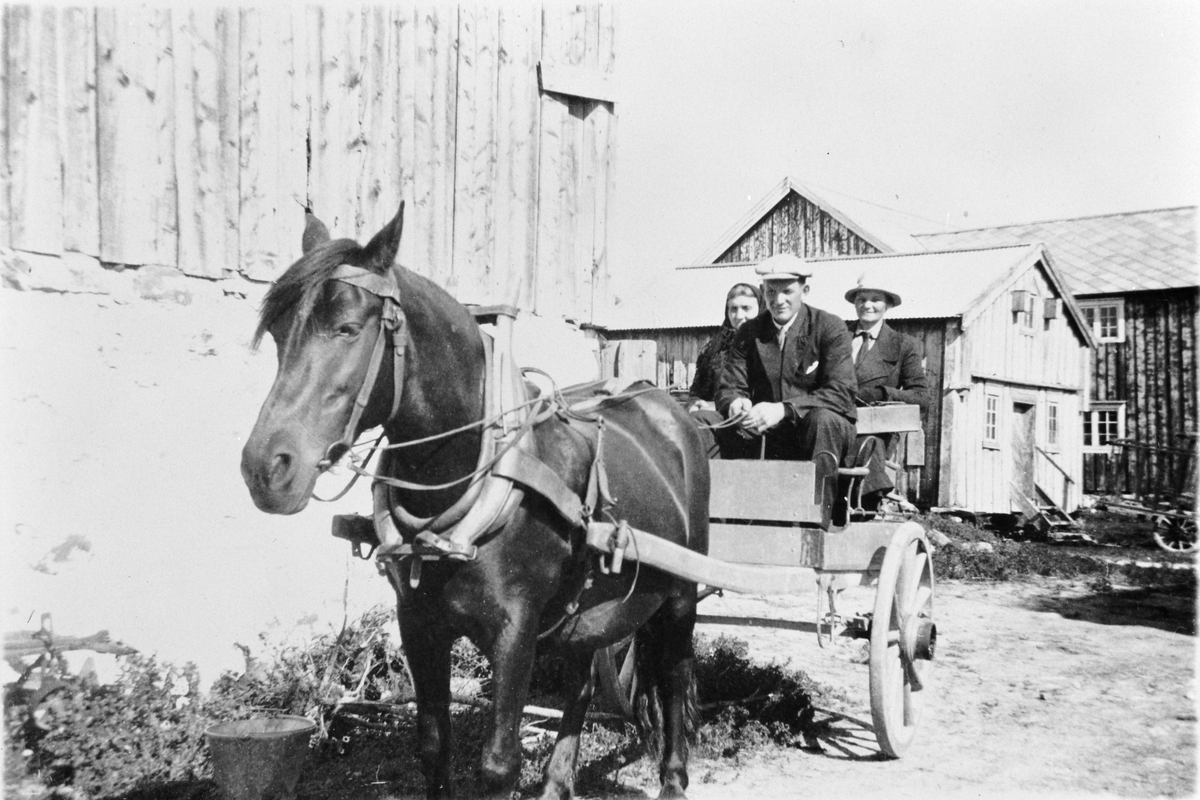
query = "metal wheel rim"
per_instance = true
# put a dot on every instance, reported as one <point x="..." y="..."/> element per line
<point x="905" y="587"/>
<point x="616" y="668"/>
<point x="1175" y="536"/>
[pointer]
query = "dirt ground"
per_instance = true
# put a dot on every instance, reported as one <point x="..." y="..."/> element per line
<point x="1039" y="689"/>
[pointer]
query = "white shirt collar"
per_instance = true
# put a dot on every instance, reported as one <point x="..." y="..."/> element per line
<point x="873" y="331"/>
<point x="781" y="330"/>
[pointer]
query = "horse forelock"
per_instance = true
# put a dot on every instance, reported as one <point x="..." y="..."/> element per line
<point x="294" y="294"/>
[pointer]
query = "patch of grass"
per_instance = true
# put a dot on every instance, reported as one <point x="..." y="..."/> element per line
<point x="1001" y="559"/>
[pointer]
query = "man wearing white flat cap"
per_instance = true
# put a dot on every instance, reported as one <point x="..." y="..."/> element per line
<point x="887" y="365"/>
<point x="789" y="375"/>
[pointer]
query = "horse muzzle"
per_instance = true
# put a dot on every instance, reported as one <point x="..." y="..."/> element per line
<point x="279" y="476"/>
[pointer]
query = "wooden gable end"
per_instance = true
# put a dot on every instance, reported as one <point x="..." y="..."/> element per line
<point x="1013" y="340"/>
<point x="798" y="226"/>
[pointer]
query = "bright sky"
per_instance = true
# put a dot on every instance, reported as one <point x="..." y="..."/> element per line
<point x="968" y="114"/>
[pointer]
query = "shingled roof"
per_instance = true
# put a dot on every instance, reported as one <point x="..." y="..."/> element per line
<point x="1107" y="254"/>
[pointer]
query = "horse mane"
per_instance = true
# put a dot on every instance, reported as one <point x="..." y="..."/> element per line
<point x="296" y="291"/>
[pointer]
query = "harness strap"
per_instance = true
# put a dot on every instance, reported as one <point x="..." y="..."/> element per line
<point x="393" y="324"/>
<point x="519" y="466"/>
<point x="598" y="496"/>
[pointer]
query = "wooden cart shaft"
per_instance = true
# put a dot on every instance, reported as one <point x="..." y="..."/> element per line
<point x="756" y="560"/>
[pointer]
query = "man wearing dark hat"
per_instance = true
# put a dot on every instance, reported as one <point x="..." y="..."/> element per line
<point x="888" y="368"/>
<point x="788" y="376"/>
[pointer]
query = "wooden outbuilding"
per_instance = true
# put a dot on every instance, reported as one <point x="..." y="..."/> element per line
<point x="790" y="218"/>
<point x="1007" y="351"/>
<point x="1136" y="278"/>
<point x="187" y="142"/>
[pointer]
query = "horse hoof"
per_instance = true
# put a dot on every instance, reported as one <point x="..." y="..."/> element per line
<point x="672" y="793"/>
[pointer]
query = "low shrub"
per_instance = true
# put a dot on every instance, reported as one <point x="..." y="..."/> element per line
<point x="145" y="729"/>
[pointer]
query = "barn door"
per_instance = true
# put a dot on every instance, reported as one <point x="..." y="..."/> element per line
<point x="1023" y="427"/>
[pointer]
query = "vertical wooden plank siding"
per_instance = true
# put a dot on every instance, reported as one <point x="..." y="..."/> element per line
<point x="80" y="173"/>
<point x="194" y="138"/>
<point x="5" y="171"/>
<point x="336" y="155"/>
<point x="35" y="148"/>
<point x="406" y="135"/>
<point x="163" y="189"/>
<point x="555" y="109"/>
<point x="205" y="45"/>
<point x="799" y="226"/>
<point x="135" y="122"/>
<point x="517" y="123"/>
<point x="576" y="240"/>
<point x="931" y="335"/>
<point x="475" y="154"/>
<point x="436" y="34"/>
<point x="378" y="187"/>
<point x="1154" y="372"/>
<point x="272" y="141"/>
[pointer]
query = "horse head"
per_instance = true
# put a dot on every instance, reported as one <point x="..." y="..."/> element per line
<point x="325" y="331"/>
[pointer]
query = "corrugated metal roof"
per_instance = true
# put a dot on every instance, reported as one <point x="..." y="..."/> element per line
<point x="1108" y="254"/>
<point x="931" y="285"/>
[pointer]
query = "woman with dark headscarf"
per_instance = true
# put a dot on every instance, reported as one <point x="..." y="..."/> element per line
<point x="742" y="302"/>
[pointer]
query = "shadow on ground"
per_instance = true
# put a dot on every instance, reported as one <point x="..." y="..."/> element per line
<point x="1168" y="608"/>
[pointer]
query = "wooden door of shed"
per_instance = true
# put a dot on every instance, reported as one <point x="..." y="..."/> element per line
<point x="1023" y="432"/>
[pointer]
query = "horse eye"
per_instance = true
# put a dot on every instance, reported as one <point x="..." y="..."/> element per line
<point x="349" y="329"/>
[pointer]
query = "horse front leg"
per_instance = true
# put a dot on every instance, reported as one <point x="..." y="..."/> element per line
<point x="511" y="653"/>
<point x="581" y="685"/>
<point x="428" y="652"/>
<point x="674" y="664"/>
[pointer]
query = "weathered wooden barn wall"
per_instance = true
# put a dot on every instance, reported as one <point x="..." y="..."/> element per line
<point x="192" y="138"/>
<point x="678" y="349"/>
<point x="921" y="482"/>
<point x="800" y="227"/>
<point x="1030" y="367"/>
<point x="1154" y="373"/>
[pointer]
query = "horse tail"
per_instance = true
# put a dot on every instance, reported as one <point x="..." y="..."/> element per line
<point x="648" y="703"/>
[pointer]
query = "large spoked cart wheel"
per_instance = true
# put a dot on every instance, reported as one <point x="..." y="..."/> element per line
<point x="616" y="667"/>
<point x="1175" y="533"/>
<point x="903" y="637"/>
<point x="789" y="542"/>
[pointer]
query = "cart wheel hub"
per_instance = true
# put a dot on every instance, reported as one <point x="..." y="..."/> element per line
<point x="918" y="638"/>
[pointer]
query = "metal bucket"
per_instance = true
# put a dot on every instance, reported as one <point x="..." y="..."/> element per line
<point x="260" y="758"/>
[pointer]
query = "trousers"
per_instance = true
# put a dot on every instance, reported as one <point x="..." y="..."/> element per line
<point x="818" y="431"/>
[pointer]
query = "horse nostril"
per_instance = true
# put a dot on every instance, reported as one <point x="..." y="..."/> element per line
<point x="281" y="468"/>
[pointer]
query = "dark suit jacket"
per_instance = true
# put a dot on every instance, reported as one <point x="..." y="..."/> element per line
<point x="894" y="364"/>
<point x="815" y="370"/>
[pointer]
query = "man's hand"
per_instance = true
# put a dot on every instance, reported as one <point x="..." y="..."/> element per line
<point x="762" y="417"/>
<point x="738" y="409"/>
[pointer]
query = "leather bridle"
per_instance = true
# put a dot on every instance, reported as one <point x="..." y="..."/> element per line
<point x="393" y="326"/>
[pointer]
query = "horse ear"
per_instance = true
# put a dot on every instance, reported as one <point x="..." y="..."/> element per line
<point x="315" y="232"/>
<point x="381" y="251"/>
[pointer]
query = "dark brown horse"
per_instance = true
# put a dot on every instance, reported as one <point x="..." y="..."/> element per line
<point x="532" y="576"/>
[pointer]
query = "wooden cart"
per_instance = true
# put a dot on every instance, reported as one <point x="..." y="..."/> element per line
<point x="1164" y="485"/>
<point x="791" y="539"/>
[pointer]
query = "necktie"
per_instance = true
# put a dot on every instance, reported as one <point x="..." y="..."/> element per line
<point x="863" y="347"/>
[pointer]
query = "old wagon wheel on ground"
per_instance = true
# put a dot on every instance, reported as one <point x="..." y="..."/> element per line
<point x="1175" y="534"/>
<point x="616" y="667"/>
<point x="903" y="637"/>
